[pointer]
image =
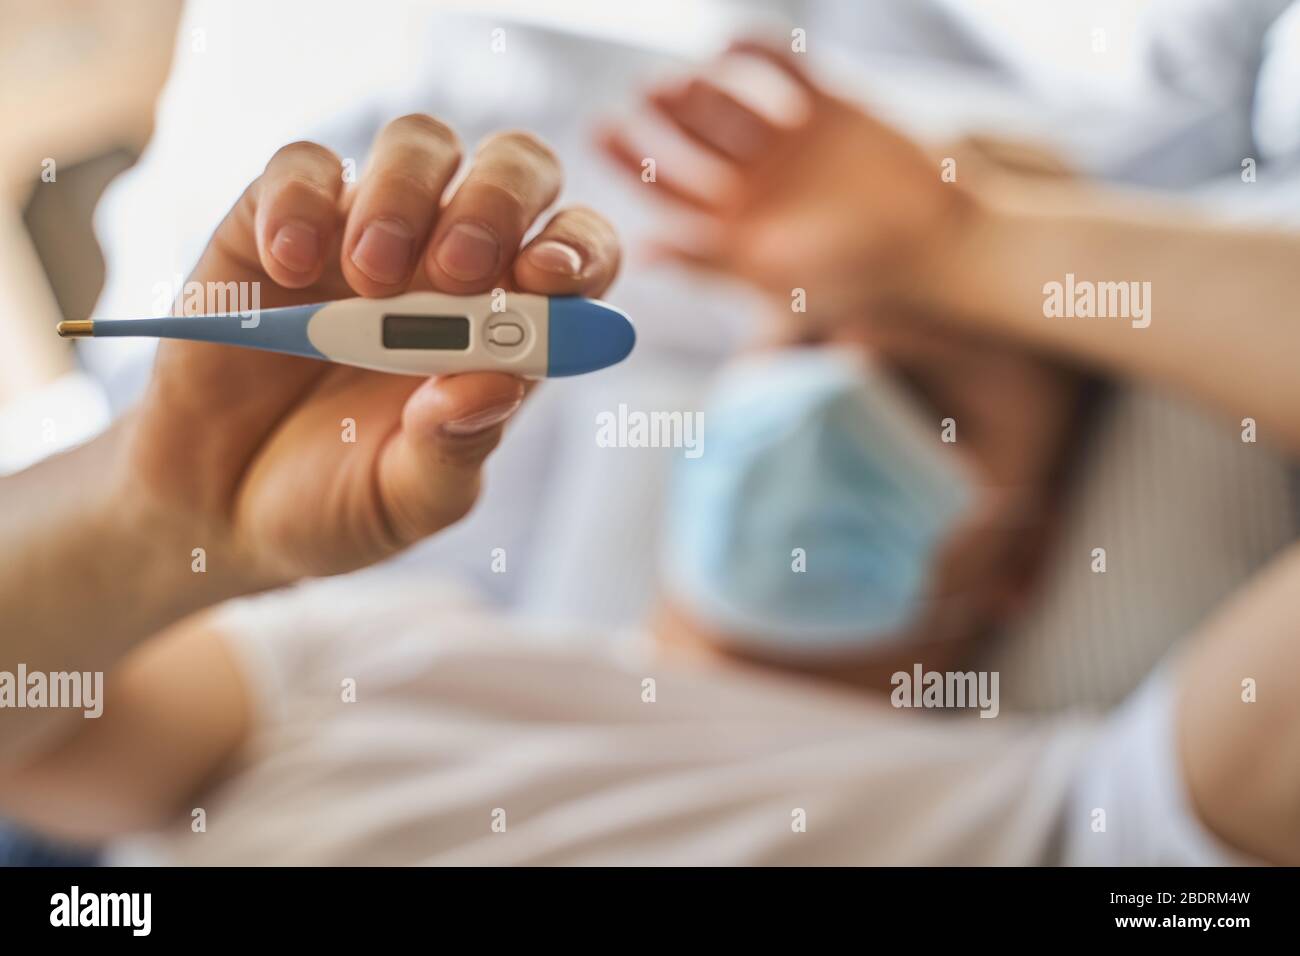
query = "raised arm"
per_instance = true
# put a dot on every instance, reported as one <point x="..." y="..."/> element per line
<point x="812" y="199"/>
<point x="1218" y="317"/>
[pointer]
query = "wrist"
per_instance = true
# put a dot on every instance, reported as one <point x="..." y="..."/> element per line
<point x="184" y="557"/>
<point x="954" y="270"/>
<point x="90" y="565"/>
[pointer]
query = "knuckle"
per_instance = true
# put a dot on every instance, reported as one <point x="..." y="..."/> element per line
<point x="524" y="147"/>
<point x="699" y="88"/>
<point x="586" y="228"/>
<point x="450" y="507"/>
<point x="409" y="177"/>
<point x="587" y="220"/>
<point x="517" y="165"/>
<point x="425" y="127"/>
<point x="303" y="153"/>
<point x="467" y="453"/>
<point x="404" y="520"/>
<point x="300" y="191"/>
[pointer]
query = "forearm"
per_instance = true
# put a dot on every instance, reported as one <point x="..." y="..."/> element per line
<point x="1220" y="321"/>
<point x="1239" y="718"/>
<point x="87" y="570"/>
<point x="176" y="710"/>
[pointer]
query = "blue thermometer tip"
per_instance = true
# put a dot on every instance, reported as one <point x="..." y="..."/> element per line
<point x="585" y="335"/>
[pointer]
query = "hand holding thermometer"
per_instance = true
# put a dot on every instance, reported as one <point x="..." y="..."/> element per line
<point x="418" y="333"/>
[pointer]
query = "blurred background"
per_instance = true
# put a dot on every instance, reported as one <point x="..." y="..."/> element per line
<point x="131" y="127"/>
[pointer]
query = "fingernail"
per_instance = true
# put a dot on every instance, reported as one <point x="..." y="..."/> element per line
<point x="296" y="246"/>
<point x="556" y="257"/>
<point x="385" y="251"/>
<point x="469" y="252"/>
<point x="481" y="421"/>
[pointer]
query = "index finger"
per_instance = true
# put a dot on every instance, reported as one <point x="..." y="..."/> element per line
<point x="297" y="218"/>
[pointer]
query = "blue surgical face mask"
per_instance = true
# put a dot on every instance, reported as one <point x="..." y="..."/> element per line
<point x="812" y="521"/>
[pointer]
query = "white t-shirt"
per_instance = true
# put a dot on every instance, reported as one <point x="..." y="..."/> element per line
<point x="467" y="739"/>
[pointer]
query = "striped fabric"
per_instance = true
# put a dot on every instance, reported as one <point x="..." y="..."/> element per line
<point x="1186" y="512"/>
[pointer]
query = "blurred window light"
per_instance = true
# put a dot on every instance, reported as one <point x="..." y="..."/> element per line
<point x="50" y="419"/>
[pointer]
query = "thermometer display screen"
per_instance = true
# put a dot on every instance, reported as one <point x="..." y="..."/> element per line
<point x="446" y="333"/>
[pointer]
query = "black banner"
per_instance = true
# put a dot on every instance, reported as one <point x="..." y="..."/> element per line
<point x="371" y="905"/>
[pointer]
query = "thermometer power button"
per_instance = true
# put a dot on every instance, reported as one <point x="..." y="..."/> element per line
<point x="505" y="334"/>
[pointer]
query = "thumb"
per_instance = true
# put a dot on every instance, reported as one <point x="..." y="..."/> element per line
<point x="429" y="472"/>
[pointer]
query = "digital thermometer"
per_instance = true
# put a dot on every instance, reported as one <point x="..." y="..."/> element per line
<point x="418" y="333"/>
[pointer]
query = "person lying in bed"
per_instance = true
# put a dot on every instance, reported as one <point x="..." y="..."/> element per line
<point x="356" y="721"/>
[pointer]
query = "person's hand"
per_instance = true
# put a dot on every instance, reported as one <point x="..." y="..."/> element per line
<point x="245" y="451"/>
<point x="810" y="194"/>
